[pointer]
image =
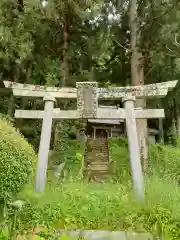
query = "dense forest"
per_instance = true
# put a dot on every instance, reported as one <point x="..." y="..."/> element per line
<point x="60" y="42"/>
<point x="115" y="43"/>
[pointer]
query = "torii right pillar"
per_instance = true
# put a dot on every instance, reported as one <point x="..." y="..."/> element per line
<point x="133" y="144"/>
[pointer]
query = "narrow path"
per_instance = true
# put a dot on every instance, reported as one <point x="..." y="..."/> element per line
<point x="97" y="159"/>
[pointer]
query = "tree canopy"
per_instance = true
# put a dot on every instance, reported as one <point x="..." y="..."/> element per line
<point x="60" y="42"/>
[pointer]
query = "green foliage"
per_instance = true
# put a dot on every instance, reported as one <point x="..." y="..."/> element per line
<point x="63" y="145"/>
<point x="16" y="162"/>
<point x="16" y="44"/>
<point x="73" y="206"/>
<point x="73" y="156"/>
<point x="79" y="205"/>
<point x="108" y="206"/>
<point x="163" y="161"/>
<point x="119" y="159"/>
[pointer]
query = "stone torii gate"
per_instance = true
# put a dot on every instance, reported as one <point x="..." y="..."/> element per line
<point x="87" y="94"/>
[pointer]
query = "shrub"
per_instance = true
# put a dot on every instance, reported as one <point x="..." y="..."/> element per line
<point x="17" y="159"/>
<point x="163" y="161"/>
<point x="73" y="156"/>
<point x="118" y="149"/>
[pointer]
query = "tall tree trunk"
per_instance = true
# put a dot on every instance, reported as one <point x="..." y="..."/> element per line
<point x="64" y="64"/>
<point x="64" y="76"/>
<point x="11" y="106"/>
<point x="174" y="136"/>
<point x="137" y="78"/>
<point x="161" y="131"/>
<point x="161" y="128"/>
<point x="178" y="121"/>
<point x="23" y="103"/>
<point x="12" y="98"/>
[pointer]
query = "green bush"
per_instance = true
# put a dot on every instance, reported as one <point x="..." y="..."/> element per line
<point x="73" y="156"/>
<point x="118" y="149"/>
<point x="163" y="161"/>
<point x="17" y="159"/>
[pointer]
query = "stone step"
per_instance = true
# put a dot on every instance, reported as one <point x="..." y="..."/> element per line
<point x="100" y="163"/>
<point x="98" y="153"/>
<point x="98" y="172"/>
<point x="90" y="140"/>
<point x="98" y="158"/>
<point x="98" y="168"/>
<point x="95" y="148"/>
<point x="97" y="145"/>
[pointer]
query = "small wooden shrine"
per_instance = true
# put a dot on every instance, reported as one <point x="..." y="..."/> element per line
<point x="107" y="128"/>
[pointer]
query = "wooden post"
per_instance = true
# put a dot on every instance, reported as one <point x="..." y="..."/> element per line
<point x="135" y="160"/>
<point x="44" y="144"/>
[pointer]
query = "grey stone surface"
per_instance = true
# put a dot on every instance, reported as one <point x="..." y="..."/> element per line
<point x="87" y="100"/>
<point x="134" y="151"/>
<point x="102" y="113"/>
<point x="106" y="235"/>
<point x="44" y="146"/>
<point x="120" y="93"/>
<point x="148" y="91"/>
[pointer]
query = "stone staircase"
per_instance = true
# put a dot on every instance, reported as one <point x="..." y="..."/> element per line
<point x="96" y="159"/>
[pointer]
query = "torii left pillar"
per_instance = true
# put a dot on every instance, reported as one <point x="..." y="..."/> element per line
<point x="44" y="144"/>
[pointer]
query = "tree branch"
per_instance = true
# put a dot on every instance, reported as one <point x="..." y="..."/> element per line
<point x="126" y="49"/>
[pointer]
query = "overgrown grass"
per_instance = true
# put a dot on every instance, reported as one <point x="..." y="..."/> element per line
<point x="110" y="205"/>
<point x="103" y="206"/>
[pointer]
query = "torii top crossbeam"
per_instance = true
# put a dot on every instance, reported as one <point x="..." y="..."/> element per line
<point x="148" y="91"/>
